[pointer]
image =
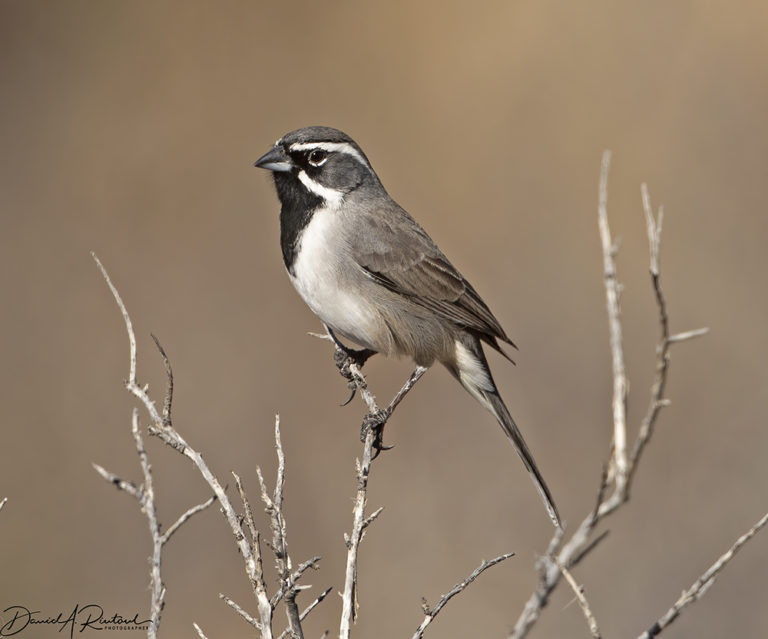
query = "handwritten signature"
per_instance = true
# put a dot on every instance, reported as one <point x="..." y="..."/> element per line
<point x="90" y="616"/>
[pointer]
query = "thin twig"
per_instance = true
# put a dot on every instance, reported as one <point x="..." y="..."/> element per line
<point x="582" y="599"/>
<point x="168" y="401"/>
<point x="145" y="495"/>
<point x="157" y="587"/>
<point x="703" y="583"/>
<point x="303" y="567"/>
<point x="146" y="498"/>
<point x="200" y="633"/>
<point x="653" y="226"/>
<point x="372" y="517"/>
<point x="349" y="596"/>
<point x="125" y="485"/>
<point x="589" y="547"/>
<point x="431" y="613"/>
<point x="410" y="382"/>
<point x="3" y="500"/>
<point x="246" y="508"/>
<point x="274" y="508"/>
<point x="131" y="383"/>
<point x="242" y="612"/>
<point x="185" y="516"/>
<point x="612" y="293"/>
<point x="307" y="610"/>
<point x="686" y="335"/>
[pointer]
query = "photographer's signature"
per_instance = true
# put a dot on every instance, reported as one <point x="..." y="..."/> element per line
<point x="15" y="619"/>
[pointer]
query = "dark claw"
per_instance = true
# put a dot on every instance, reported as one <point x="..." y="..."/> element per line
<point x="353" y="390"/>
<point x="376" y="422"/>
<point x="378" y="446"/>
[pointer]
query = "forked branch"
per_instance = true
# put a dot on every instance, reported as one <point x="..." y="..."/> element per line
<point x="359" y="521"/>
<point x="562" y="555"/>
<point x="431" y="612"/>
<point x="703" y="583"/>
<point x="247" y="540"/>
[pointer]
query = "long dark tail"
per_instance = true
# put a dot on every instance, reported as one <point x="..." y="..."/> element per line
<point x="499" y="410"/>
<point x="471" y="369"/>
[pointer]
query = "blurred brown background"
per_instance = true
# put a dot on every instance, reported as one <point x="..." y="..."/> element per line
<point x="130" y="128"/>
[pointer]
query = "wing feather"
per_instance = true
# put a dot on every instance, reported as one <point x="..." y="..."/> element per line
<point x="400" y="256"/>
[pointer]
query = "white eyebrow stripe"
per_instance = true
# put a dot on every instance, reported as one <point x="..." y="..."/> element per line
<point x="332" y="147"/>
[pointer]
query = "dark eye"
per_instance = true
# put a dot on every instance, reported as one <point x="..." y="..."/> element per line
<point x="317" y="157"/>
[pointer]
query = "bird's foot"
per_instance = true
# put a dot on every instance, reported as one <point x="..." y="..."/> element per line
<point x="344" y="357"/>
<point x="375" y="422"/>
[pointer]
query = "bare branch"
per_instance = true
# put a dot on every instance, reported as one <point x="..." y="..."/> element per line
<point x="359" y="521"/>
<point x="280" y="482"/>
<point x="370" y="518"/>
<point x="307" y="610"/>
<point x="184" y="517"/>
<point x="349" y="596"/>
<point x="168" y="401"/>
<point x="125" y="485"/>
<point x="303" y="567"/>
<point x="589" y="547"/>
<point x="242" y="612"/>
<point x="653" y="227"/>
<point x="131" y="383"/>
<point x="686" y="335"/>
<point x="581" y="541"/>
<point x="146" y="498"/>
<point x="248" y="513"/>
<point x="310" y="563"/>
<point x="703" y="583"/>
<point x="147" y="502"/>
<point x="274" y="508"/>
<point x="409" y="384"/>
<point x="431" y="613"/>
<point x="612" y="292"/>
<point x="5" y="499"/>
<point x="582" y="599"/>
<point x="200" y="633"/>
<point x="163" y="429"/>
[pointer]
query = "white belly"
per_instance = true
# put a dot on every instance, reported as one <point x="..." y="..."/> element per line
<point x="324" y="281"/>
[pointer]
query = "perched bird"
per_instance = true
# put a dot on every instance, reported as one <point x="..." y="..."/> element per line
<point x="369" y="271"/>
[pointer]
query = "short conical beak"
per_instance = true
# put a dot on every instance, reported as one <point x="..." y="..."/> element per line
<point x="274" y="160"/>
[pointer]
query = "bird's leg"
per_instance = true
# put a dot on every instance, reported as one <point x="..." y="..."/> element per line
<point x="378" y="419"/>
<point x="343" y="357"/>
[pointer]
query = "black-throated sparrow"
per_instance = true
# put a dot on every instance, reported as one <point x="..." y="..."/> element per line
<point x="372" y="274"/>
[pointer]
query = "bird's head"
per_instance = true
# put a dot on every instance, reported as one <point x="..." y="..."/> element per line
<point x="317" y="162"/>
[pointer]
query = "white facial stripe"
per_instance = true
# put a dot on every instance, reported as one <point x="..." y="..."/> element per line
<point x="331" y="147"/>
<point x="332" y="197"/>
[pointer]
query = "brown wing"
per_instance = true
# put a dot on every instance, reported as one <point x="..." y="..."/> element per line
<point x="400" y="255"/>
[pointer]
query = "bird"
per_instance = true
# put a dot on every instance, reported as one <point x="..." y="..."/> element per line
<point x="373" y="275"/>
